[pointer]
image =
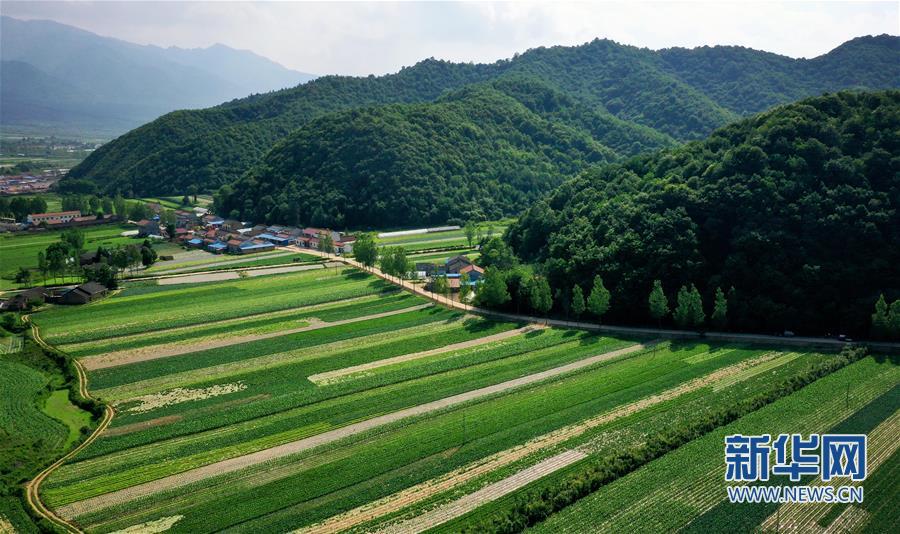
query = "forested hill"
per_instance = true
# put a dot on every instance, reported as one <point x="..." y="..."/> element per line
<point x="681" y="94"/>
<point x="796" y="209"/>
<point x="482" y="152"/>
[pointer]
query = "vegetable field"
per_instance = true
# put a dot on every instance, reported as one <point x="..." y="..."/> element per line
<point x="331" y="401"/>
<point x="684" y="490"/>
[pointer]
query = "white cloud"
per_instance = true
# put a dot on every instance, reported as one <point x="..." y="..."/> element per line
<point x="363" y="38"/>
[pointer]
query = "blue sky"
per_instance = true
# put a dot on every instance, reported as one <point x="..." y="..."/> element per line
<point x="377" y="37"/>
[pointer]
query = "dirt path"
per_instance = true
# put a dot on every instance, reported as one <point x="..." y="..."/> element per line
<point x="170" y="266"/>
<point x="467" y="473"/>
<point x="332" y="376"/>
<point x="491" y="492"/>
<point x="286" y="449"/>
<point x="71" y="347"/>
<point x="154" y="352"/>
<point x="33" y="487"/>
<point x="235" y="274"/>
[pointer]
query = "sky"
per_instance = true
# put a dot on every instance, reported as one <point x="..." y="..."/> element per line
<point x="360" y="38"/>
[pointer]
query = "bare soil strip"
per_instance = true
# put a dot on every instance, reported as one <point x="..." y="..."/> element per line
<point x="332" y="376"/>
<point x="154" y="352"/>
<point x="236" y="321"/>
<point x="231" y="275"/>
<point x="134" y="427"/>
<point x="286" y="449"/>
<point x="488" y="493"/>
<point x="467" y="473"/>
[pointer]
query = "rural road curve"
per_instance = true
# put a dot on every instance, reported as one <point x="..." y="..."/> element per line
<point x="286" y="449"/>
<point x="668" y="332"/>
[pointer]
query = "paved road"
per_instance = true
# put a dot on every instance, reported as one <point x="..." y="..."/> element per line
<point x="286" y="449"/>
<point x="717" y="336"/>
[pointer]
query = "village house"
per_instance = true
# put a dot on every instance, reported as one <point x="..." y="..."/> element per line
<point x="253" y="246"/>
<point x="83" y="294"/>
<point x="52" y="218"/>
<point x="453" y="269"/>
<point x="149" y="228"/>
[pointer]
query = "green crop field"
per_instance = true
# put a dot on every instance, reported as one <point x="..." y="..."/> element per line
<point x="278" y="402"/>
<point x="21" y="249"/>
<point x="219" y="262"/>
<point x="692" y="476"/>
<point x="38" y="424"/>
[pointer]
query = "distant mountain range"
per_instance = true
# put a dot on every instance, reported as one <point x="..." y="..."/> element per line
<point x="440" y="139"/>
<point x="62" y="79"/>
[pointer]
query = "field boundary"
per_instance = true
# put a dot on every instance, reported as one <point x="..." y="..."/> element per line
<point x="32" y="488"/>
<point x="236" y="463"/>
<point x="130" y="356"/>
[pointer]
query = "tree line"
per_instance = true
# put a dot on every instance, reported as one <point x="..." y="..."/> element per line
<point x="63" y="259"/>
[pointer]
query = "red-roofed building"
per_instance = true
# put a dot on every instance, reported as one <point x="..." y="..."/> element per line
<point x="53" y="218"/>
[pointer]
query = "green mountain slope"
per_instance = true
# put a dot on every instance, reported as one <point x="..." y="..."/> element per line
<point x="478" y="152"/>
<point x="682" y="95"/>
<point x="796" y="209"/>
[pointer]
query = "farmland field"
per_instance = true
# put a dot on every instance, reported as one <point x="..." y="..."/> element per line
<point x="21" y="250"/>
<point x="267" y="404"/>
<point x="330" y="400"/>
<point x="684" y="491"/>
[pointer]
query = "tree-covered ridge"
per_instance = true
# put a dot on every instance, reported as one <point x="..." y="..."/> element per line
<point x="795" y="209"/>
<point x="475" y="153"/>
<point x="682" y="94"/>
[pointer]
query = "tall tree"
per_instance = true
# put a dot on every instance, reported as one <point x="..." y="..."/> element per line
<point x="698" y="316"/>
<point x="881" y="319"/>
<point x="659" y="304"/>
<point x="23" y="276"/>
<point x="541" y="298"/>
<point x="598" y="300"/>
<point x="440" y="285"/>
<point x="470" y="230"/>
<point x="719" y="315"/>
<point x="42" y="266"/>
<point x="326" y="243"/>
<point x="365" y="250"/>
<point x="386" y="261"/>
<point x="577" y="304"/>
<point x="465" y="290"/>
<point x="119" y="206"/>
<point x="894" y="320"/>
<point x="400" y="262"/>
<point x="683" y="308"/>
<point x="492" y="292"/>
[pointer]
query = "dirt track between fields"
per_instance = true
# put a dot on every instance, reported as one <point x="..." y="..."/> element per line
<point x="286" y="449"/>
<point x="235" y="274"/>
<point x="462" y="475"/>
<point x="154" y="352"/>
<point x="332" y="376"/>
